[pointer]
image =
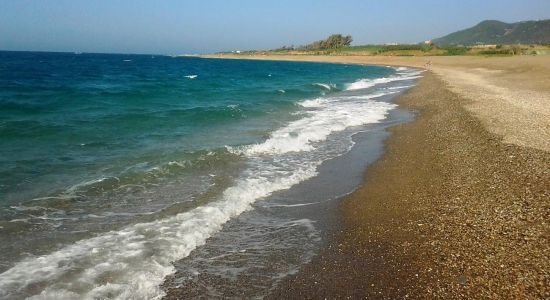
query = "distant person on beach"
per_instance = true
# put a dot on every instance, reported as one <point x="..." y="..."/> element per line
<point x="428" y="64"/>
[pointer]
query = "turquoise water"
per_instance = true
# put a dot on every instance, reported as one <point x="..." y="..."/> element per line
<point x="68" y="119"/>
<point x="114" y="166"/>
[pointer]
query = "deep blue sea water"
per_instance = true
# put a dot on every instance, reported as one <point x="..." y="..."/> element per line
<point x="114" y="166"/>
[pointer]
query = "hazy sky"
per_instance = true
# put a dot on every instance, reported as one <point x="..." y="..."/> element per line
<point x="175" y="27"/>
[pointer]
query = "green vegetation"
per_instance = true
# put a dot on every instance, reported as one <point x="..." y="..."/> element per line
<point x="488" y="38"/>
<point x="410" y="50"/>
<point x="335" y="41"/>
<point x="496" y="32"/>
<point x="497" y="52"/>
<point x="339" y="45"/>
<point x="454" y="50"/>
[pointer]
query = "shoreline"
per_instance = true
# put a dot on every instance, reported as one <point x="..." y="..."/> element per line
<point x="314" y="200"/>
<point x="463" y="213"/>
<point x="466" y="214"/>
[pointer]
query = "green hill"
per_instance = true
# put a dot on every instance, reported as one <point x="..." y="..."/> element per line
<point x="496" y="32"/>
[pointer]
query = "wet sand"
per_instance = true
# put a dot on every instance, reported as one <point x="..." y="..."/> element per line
<point x="450" y="211"/>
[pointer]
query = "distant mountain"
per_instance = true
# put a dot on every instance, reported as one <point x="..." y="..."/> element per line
<point x="496" y="32"/>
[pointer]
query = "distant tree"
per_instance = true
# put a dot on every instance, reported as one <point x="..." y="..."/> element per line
<point x="347" y="40"/>
<point x="285" y="48"/>
<point x="332" y="42"/>
<point x="516" y="49"/>
<point x="336" y="41"/>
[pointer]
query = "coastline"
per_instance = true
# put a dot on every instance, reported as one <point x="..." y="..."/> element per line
<point x="314" y="201"/>
<point x="448" y="212"/>
<point x="458" y="205"/>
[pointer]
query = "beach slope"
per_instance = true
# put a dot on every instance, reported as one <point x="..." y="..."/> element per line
<point x="450" y="211"/>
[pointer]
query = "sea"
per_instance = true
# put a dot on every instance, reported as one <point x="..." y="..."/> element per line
<point x="140" y="176"/>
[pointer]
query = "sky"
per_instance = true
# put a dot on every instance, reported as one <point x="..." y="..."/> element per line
<point x="203" y="26"/>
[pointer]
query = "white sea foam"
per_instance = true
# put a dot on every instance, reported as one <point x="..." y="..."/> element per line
<point x="399" y="87"/>
<point x="332" y="114"/>
<point x="402" y="74"/>
<point x="367" y="83"/>
<point x="131" y="263"/>
<point x="292" y="205"/>
<point x="327" y="86"/>
<point x="88" y="183"/>
<point x="24" y="220"/>
<point x="371" y="96"/>
<point x="191" y="76"/>
<point x="27" y="208"/>
<point x="317" y="102"/>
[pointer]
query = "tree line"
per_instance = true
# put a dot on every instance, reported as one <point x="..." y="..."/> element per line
<point x="334" y="41"/>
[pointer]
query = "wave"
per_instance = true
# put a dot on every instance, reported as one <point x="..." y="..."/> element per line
<point x="169" y="185"/>
<point x="319" y="102"/>
<point x="332" y="114"/>
<point x="367" y="83"/>
<point x="402" y="74"/>
<point x="136" y="259"/>
<point x="292" y="205"/>
<point x="191" y="76"/>
<point x="326" y="86"/>
<point x="400" y="87"/>
<point x="138" y="175"/>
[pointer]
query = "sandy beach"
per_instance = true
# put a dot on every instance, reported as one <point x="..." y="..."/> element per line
<point x="458" y="207"/>
<point x="275" y="150"/>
